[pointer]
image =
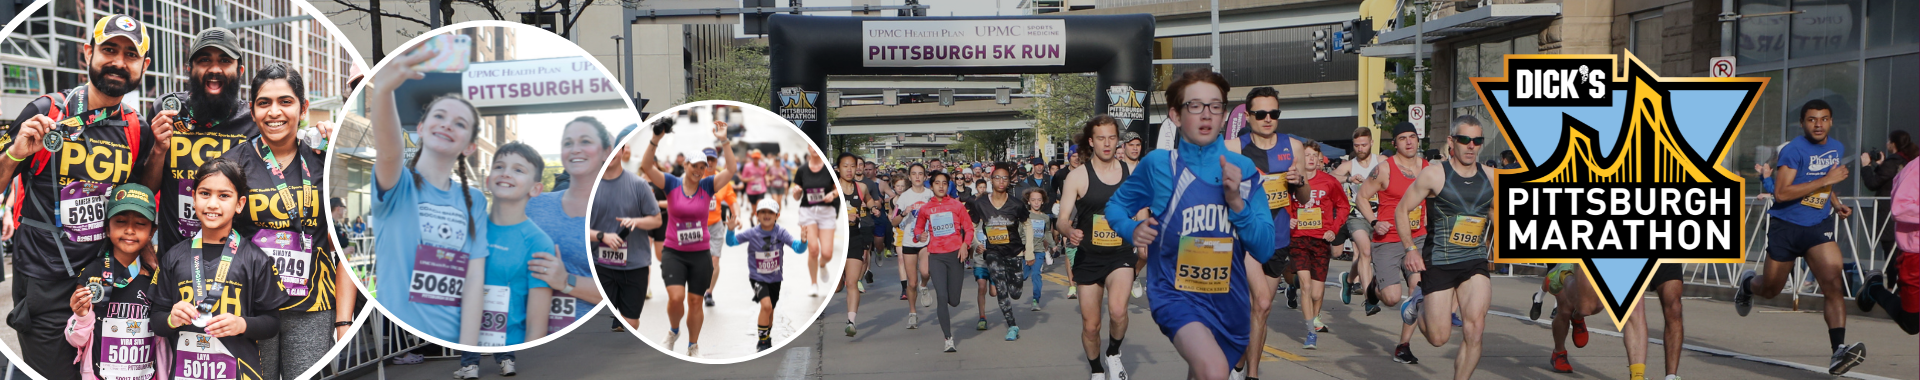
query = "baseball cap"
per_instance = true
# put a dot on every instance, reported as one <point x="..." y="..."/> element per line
<point x="216" y="37"/>
<point x="1404" y="127"/>
<point x="624" y="132"/>
<point x="767" y="204"/>
<point x="337" y="202"/>
<point x="711" y="153"/>
<point x="121" y="25"/>
<point x="132" y="197"/>
<point x="1129" y="136"/>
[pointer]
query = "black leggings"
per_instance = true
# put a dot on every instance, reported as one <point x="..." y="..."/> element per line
<point x="947" y="278"/>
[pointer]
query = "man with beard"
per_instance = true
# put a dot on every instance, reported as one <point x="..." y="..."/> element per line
<point x="58" y="151"/>
<point x="197" y="125"/>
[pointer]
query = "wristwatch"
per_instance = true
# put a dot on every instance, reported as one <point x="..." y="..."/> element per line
<point x="569" y="288"/>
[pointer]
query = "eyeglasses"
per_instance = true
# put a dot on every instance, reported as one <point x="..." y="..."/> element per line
<point x="1194" y="106"/>
<point x="1475" y="141"/>
<point x="1264" y="114"/>
<point x="1000" y="178"/>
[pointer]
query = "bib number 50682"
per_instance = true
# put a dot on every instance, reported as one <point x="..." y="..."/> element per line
<point x="437" y="283"/>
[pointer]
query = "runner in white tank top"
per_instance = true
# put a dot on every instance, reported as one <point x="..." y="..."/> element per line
<point x="1352" y="173"/>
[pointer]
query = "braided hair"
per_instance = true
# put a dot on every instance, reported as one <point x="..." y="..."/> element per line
<point x="461" y="168"/>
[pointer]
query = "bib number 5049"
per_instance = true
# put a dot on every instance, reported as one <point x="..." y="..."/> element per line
<point x="433" y="283"/>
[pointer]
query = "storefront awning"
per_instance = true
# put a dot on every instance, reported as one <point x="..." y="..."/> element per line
<point x="1463" y="23"/>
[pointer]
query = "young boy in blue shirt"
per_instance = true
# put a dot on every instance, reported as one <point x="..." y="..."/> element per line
<point x="764" y="256"/>
<point x="512" y="240"/>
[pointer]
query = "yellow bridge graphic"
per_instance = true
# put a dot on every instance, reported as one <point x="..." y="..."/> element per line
<point x="1649" y="150"/>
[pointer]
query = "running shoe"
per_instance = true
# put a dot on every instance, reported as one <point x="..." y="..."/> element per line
<point x="693" y="350"/>
<point x="763" y="346"/>
<point x="913" y="321"/>
<point x="1346" y="284"/>
<point x="1742" y="297"/>
<point x="1115" y="370"/>
<point x="1013" y="333"/>
<point x="926" y="297"/>
<point x="709" y="296"/>
<point x="1580" y="332"/>
<point x="1538" y="299"/>
<point x="1293" y="297"/>
<point x="1073" y="293"/>
<point x="903" y="296"/>
<point x="1410" y="309"/>
<point x="982" y="325"/>
<point x="1313" y="341"/>
<point x="467" y="372"/>
<point x="506" y="368"/>
<point x="1560" y="363"/>
<point x="409" y="358"/>
<point x="1865" y="297"/>
<point x="1098" y="376"/>
<point x="672" y="337"/>
<point x="1320" y="327"/>
<point x="1846" y="357"/>
<point x="869" y="276"/>
<point x="1673" y="377"/>
<point x="1456" y="320"/>
<point x="861" y="285"/>
<point x="1404" y="354"/>
<point x="1138" y="289"/>
<point x="850" y="330"/>
<point x="1036" y="304"/>
<point x="1372" y="308"/>
<point x="1237" y="374"/>
<point x="617" y="327"/>
<point x="950" y="345"/>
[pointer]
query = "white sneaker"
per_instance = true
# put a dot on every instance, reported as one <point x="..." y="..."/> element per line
<point x="1138" y="290"/>
<point x="913" y="320"/>
<point x="671" y="338"/>
<point x="506" y="368"/>
<point x="467" y="372"/>
<point x="950" y="345"/>
<point x="1237" y="374"/>
<point x="1115" y="370"/>
<point x="693" y="350"/>
<point x="926" y="297"/>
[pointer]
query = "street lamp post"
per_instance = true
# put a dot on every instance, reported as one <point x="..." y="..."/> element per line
<point x="622" y="76"/>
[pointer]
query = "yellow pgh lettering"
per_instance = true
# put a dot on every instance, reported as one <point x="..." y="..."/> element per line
<point x="197" y="149"/>
<point x="268" y="200"/>
<point x="102" y="164"/>
<point x="229" y="299"/>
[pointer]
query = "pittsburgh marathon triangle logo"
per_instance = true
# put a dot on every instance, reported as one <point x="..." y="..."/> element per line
<point x="1631" y="181"/>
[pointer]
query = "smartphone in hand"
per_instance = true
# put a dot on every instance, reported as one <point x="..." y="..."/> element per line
<point x="455" y="53"/>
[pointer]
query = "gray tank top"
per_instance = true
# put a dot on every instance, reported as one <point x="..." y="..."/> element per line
<point x="1457" y="220"/>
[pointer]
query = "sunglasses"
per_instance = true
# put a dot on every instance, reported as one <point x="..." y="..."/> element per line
<point x="1475" y="141"/>
<point x="1265" y="114"/>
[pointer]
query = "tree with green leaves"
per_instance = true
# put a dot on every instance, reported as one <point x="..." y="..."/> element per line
<point x="1066" y="101"/>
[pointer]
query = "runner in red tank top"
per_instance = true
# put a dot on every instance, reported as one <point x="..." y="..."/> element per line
<point x="1389" y="182"/>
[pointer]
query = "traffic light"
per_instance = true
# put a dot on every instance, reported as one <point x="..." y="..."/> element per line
<point x="1380" y="113"/>
<point x="795" y="4"/>
<point x="1362" y="34"/>
<point x="1320" y="46"/>
<point x="913" y="12"/>
<point x="1346" y="36"/>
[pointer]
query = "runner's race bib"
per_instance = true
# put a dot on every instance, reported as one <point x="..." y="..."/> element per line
<point x="1418" y="216"/>
<point x="1468" y="231"/>
<point x="294" y="263"/>
<point x="609" y="256"/>
<point x="126" y="349"/>
<point x="816" y="195"/>
<point x="493" y="316"/>
<point x="941" y="224"/>
<point x="690" y="233"/>
<point x="83" y="210"/>
<point x="1276" y="187"/>
<point x="1205" y="265"/>
<point x="188" y="223"/>
<point x="1310" y="219"/>
<point x="560" y="311"/>
<point x="998" y="235"/>
<point x="438" y="276"/>
<point x="1818" y="200"/>
<point x="1103" y="234"/>
<point x="767" y="262"/>
<point x="202" y="357"/>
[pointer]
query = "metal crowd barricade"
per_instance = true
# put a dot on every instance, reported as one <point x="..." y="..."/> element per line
<point x="372" y="346"/>
<point x="1858" y="236"/>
